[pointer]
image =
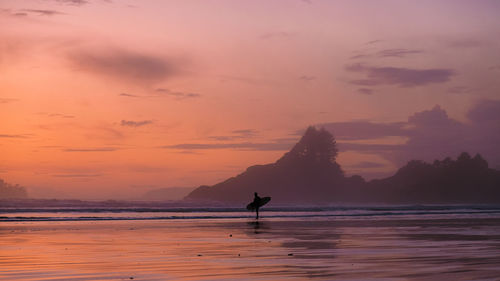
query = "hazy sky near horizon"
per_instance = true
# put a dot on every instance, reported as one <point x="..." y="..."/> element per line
<point x="108" y="99"/>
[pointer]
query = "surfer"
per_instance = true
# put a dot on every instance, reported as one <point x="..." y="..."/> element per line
<point x="257" y="203"/>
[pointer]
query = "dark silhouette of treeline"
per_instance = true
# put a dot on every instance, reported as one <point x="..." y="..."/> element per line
<point x="464" y="180"/>
<point x="9" y="191"/>
<point x="309" y="174"/>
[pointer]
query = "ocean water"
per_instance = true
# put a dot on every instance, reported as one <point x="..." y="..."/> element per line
<point x="75" y="213"/>
<point x="390" y="243"/>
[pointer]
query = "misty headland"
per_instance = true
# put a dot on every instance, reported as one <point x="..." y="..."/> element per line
<point x="10" y="191"/>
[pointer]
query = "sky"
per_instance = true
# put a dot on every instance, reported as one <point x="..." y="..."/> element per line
<point x="109" y="99"/>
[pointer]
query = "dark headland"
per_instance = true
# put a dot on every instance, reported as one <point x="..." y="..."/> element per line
<point x="309" y="174"/>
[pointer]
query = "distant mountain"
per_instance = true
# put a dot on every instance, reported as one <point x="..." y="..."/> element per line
<point x="9" y="191"/>
<point x="168" y="193"/>
<point x="309" y="174"/>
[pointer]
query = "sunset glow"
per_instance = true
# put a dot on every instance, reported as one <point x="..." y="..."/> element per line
<point x="109" y="99"/>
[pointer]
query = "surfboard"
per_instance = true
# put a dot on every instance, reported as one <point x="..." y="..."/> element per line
<point x="263" y="201"/>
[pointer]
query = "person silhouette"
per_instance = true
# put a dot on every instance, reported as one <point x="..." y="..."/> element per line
<point x="256" y="202"/>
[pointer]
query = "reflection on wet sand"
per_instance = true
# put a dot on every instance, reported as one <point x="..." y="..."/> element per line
<point x="271" y="249"/>
<point x="257" y="227"/>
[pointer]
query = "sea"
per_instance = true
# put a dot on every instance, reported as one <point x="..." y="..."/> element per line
<point x="143" y="212"/>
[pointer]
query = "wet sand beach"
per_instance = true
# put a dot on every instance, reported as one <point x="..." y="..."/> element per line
<point x="272" y="249"/>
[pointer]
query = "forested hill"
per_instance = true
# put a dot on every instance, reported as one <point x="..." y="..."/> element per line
<point x="309" y="174"/>
<point x="464" y="180"/>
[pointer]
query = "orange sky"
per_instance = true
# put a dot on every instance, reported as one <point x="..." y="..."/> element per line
<point x="108" y="99"/>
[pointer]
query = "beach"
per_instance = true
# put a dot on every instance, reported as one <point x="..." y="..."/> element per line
<point x="438" y="247"/>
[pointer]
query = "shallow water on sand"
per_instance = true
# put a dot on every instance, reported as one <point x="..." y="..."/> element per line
<point x="460" y="248"/>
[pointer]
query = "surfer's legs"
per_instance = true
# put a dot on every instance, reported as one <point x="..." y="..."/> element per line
<point x="257" y="211"/>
